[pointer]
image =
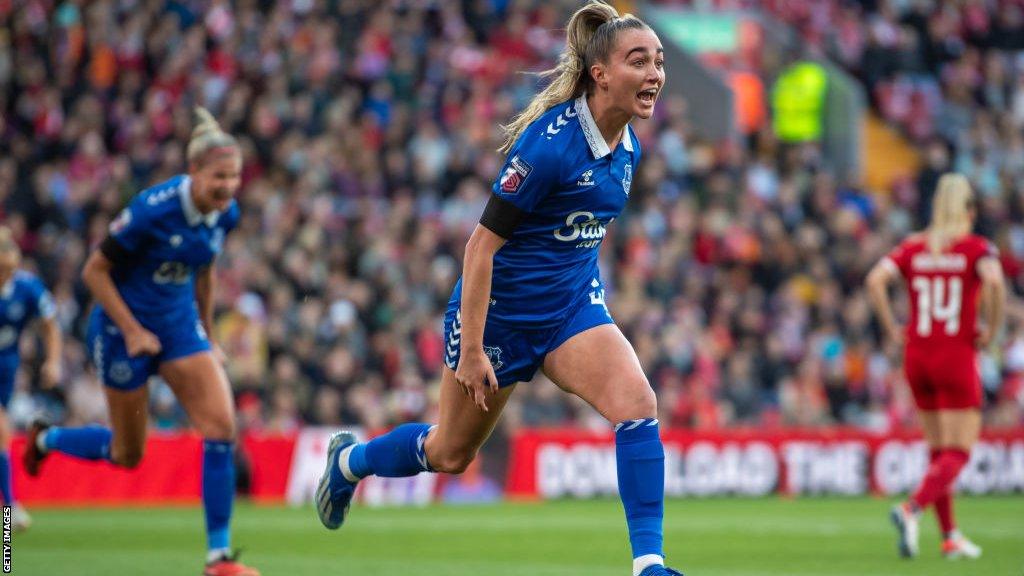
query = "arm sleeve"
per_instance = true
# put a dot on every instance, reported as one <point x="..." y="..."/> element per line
<point x="127" y="233"/>
<point x="42" y="301"/>
<point x="987" y="250"/>
<point x="531" y="172"/>
<point x="900" y="258"/>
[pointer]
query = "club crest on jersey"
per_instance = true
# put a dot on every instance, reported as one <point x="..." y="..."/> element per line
<point x="217" y="240"/>
<point x="121" y="222"/>
<point x="515" y="173"/>
<point x="627" y="179"/>
<point x="494" y="355"/>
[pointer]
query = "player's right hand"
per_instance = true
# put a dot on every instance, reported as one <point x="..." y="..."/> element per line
<point x="476" y="375"/>
<point x="984" y="338"/>
<point x="141" y="342"/>
<point x="51" y="373"/>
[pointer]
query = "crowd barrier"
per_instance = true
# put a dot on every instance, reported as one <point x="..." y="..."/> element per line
<point x="548" y="463"/>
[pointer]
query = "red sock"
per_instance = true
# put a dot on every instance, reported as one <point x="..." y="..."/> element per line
<point x="944" y="510"/>
<point x="944" y="503"/>
<point x="942" y="472"/>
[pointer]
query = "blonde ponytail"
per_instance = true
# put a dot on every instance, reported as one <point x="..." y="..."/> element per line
<point x="951" y="217"/>
<point x="589" y="38"/>
<point x="207" y="136"/>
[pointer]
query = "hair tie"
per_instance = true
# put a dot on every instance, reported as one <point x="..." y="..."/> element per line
<point x="573" y="61"/>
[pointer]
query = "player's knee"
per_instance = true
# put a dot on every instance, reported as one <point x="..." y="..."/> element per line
<point x="222" y="429"/>
<point x="128" y="457"/>
<point x="452" y="462"/>
<point x="638" y="401"/>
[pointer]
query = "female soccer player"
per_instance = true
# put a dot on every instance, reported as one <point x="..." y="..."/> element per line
<point x="22" y="298"/>
<point x="531" y="295"/>
<point x="153" y="282"/>
<point x="949" y="272"/>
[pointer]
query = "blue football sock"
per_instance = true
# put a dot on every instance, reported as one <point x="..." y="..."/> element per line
<point x="218" y="491"/>
<point x="640" y="460"/>
<point x="397" y="454"/>
<point x="88" y="442"/>
<point x="5" y="477"/>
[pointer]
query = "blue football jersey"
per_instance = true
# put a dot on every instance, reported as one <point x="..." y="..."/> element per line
<point x="23" y="298"/>
<point x="571" y="186"/>
<point x="168" y="240"/>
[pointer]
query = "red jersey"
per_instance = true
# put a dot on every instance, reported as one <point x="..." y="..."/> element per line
<point x="943" y="289"/>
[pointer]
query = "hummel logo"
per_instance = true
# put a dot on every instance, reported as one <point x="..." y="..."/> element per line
<point x="585" y="180"/>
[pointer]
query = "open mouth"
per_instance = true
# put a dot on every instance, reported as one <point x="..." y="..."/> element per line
<point x="648" y="96"/>
<point x="221" y="202"/>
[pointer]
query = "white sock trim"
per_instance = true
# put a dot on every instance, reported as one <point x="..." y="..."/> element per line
<point x="343" y="464"/>
<point x="41" y="441"/>
<point x="215" y="554"/>
<point x="646" y="560"/>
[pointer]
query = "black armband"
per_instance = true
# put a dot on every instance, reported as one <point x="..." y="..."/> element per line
<point x="116" y="252"/>
<point x="501" y="216"/>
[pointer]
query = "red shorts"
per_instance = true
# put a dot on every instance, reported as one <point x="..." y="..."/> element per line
<point x="943" y="378"/>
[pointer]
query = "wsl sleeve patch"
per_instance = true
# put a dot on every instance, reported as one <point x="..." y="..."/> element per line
<point x="515" y="174"/>
<point x="121" y="222"/>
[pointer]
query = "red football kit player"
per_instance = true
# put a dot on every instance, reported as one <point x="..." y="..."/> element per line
<point x="950" y="274"/>
<point x="941" y="362"/>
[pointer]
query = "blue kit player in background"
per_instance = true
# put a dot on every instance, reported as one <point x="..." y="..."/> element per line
<point x="153" y="282"/>
<point x="531" y="295"/>
<point x="22" y="299"/>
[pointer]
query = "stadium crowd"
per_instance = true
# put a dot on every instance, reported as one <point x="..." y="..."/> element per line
<point x="369" y="136"/>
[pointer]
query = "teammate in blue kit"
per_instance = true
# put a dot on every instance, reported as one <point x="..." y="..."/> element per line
<point x="22" y="298"/>
<point x="153" y="282"/>
<point x="531" y="295"/>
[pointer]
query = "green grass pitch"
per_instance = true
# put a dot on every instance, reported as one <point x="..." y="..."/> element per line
<point x="715" y="537"/>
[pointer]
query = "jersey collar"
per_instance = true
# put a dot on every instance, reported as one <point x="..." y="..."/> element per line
<point x="7" y="290"/>
<point x="598" y="146"/>
<point x="192" y="214"/>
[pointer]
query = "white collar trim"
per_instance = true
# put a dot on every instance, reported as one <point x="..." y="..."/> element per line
<point x="8" y="289"/>
<point x="192" y="214"/>
<point x="598" y="146"/>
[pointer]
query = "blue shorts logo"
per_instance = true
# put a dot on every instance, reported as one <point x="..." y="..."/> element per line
<point x="494" y="355"/>
<point x="120" y="372"/>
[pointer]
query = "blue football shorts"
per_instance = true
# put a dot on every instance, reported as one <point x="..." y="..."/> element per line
<point x="517" y="352"/>
<point x="107" y="349"/>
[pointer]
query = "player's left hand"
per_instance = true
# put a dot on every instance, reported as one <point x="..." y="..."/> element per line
<point x="50" y="373"/>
